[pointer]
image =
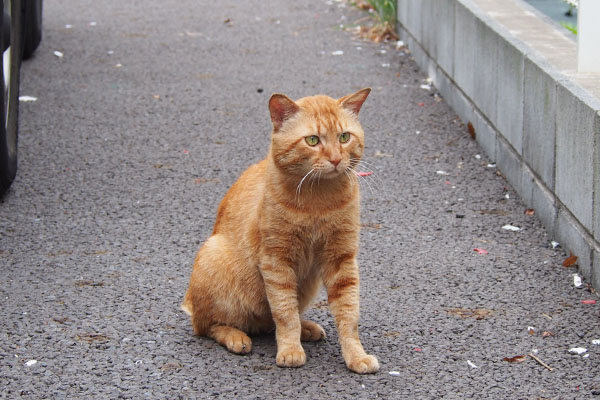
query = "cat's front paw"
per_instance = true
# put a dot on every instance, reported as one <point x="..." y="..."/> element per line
<point x="366" y="364"/>
<point x="291" y="357"/>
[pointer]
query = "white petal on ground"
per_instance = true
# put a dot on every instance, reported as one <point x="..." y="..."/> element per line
<point x="337" y="53"/>
<point x="509" y="227"/>
<point x="394" y="373"/>
<point x="27" y="98"/>
<point x="58" y="54"/>
<point x="471" y="364"/>
<point x="577" y="281"/>
<point x="577" y="350"/>
<point x="31" y="363"/>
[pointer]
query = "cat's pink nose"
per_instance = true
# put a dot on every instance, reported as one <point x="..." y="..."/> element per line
<point x="335" y="161"/>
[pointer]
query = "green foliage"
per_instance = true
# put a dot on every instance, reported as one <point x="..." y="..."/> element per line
<point x="569" y="26"/>
<point x="384" y="11"/>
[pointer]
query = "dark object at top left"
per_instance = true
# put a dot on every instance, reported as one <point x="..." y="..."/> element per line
<point x="20" y="35"/>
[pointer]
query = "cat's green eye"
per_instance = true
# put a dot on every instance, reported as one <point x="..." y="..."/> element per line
<point x="344" y="137"/>
<point x="312" y="140"/>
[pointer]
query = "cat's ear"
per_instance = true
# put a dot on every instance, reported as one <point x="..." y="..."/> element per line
<point x="353" y="102"/>
<point x="281" y="108"/>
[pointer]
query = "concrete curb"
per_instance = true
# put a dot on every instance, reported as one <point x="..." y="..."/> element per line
<point x="512" y="75"/>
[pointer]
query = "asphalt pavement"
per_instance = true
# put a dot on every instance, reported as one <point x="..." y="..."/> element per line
<point x="139" y="128"/>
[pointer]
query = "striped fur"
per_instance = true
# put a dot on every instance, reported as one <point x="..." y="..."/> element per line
<point x="287" y="226"/>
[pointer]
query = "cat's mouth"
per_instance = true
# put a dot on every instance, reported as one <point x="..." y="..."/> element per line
<point x="333" y="172"/>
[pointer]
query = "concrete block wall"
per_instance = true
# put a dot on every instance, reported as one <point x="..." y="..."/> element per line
<point x="511" y="73"/>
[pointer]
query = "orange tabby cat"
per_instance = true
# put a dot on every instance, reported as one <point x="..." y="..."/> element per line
<point x="289" y="224"/>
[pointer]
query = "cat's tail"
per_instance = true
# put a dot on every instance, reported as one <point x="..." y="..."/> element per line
<point x="187" y="305"/>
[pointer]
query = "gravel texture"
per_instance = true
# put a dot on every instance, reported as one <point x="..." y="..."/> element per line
<point x="140" y="127"/>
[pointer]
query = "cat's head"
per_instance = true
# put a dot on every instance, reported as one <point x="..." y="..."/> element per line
<point x="317" y="133"/>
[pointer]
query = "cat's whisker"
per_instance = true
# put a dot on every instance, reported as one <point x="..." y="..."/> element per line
<point x="348" y="175"/>
<point x="313" y="179"/>
<point x="356" y="174"/>
<point x="362" y="164"/>
<point x="356" y="161"/>
<point x="299" y="188"/>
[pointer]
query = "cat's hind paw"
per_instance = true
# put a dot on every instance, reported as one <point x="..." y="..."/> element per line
<point x="235" y="340"/>
<point x="311" y="332"/>
<point x="366" y="364"/>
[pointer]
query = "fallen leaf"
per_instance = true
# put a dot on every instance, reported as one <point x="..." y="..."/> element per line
<point x="371" y="225"/>
<point x="531" y="330"/>
<point x="92" y="337"/>
<point x="322" y="305"/>
<point x="589" y="301"/>
<point x="590" y="288"/>
<point x="476" y="313"/>
<point x="421" y="104"/>
<point x="205" y="180"/>
<point x="547" y="334"/>
<point x="170" y="366"/>
<point x="530" y="211"/>
<point x="257" y="368"/>
<point x="471" y="130"/>
<point x="570" y="261"/>
<point x="516" y="359"/>
<point x="480" y="251"/>
<point x="391" y="333"/>
<point x="380" y="154"/>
